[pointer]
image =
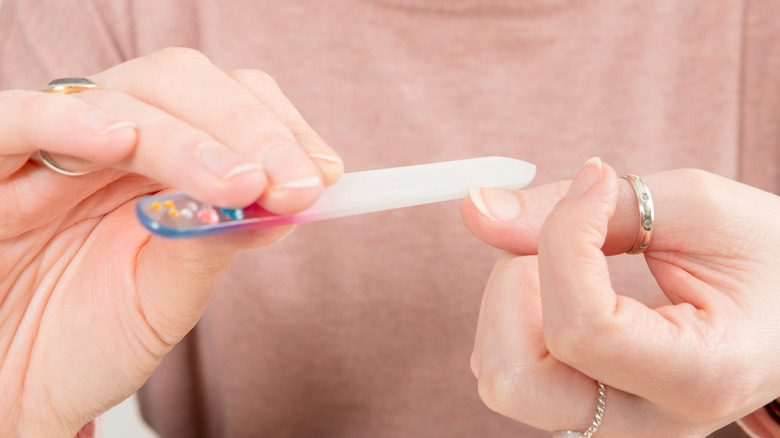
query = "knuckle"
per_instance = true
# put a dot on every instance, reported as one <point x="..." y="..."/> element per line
<point x="500" y="390"/>
<point x="515" y="270"/>
<point x="474" y="364"/>
<point x="706" y="187"/>
<point x="254" y="78"/>
<point x="163" y="58"/>
<point x="570" y="344"/>
<point x="256" y="121"/>
<point x="692" y="175"/>
<point x="238" y="116"/>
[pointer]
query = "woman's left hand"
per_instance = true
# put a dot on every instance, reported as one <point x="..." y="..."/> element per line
<point x="551" y="324"/>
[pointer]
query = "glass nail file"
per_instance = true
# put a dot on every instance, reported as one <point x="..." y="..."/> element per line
<point x="179" y="215"/>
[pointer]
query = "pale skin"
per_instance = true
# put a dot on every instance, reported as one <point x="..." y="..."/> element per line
<point x="89" y="302"/>
<point x="551" y="324"/>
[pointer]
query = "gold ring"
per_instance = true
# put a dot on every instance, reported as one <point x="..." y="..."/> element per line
<point x="646" y="214"/>
<point x="69" y="85"/>
<point x="64" y="86"/>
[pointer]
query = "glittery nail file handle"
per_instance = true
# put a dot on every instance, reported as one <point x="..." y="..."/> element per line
<point x="356" y="193"/>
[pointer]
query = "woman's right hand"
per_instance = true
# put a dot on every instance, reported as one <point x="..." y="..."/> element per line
<point x="89" y="302"/>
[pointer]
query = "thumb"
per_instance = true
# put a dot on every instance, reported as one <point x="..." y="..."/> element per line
<point x="175" y="277"/>
<point x="570" y="249"/>
<point x="587" y="325"/>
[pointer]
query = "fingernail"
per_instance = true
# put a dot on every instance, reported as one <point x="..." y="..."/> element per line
<point x="496" y="204"/>
<point x="300" y="183"/>
<point x="331" y="167"/>
<point x="587" y="176"/>
<point x="103" y="123"/>
<point x="241" y="168"/>
<point x="329" y="158"/>
<point x="289" y="168"/>
<point x="316" y="148"/>
<point x="223" y="162"/>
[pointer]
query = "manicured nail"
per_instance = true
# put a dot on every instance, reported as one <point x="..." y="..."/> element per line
<point x="289" y="168"/>
<point x="587" y="176"/>
<point x="241" y="168"/>
<point x="223" y="162"/>
<point x="103" y="123"/>
<point x="329" y="158"/>
<point x="496" y="204"/>
<point x="330" y="165"/>
<point x="301" y="183"/>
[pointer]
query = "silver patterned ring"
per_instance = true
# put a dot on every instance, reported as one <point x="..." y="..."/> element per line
<point x="64" y="86"/>
<point x="602" y="403"/>
<point x="53" y="165"/>
<point x="646" y="214"/>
